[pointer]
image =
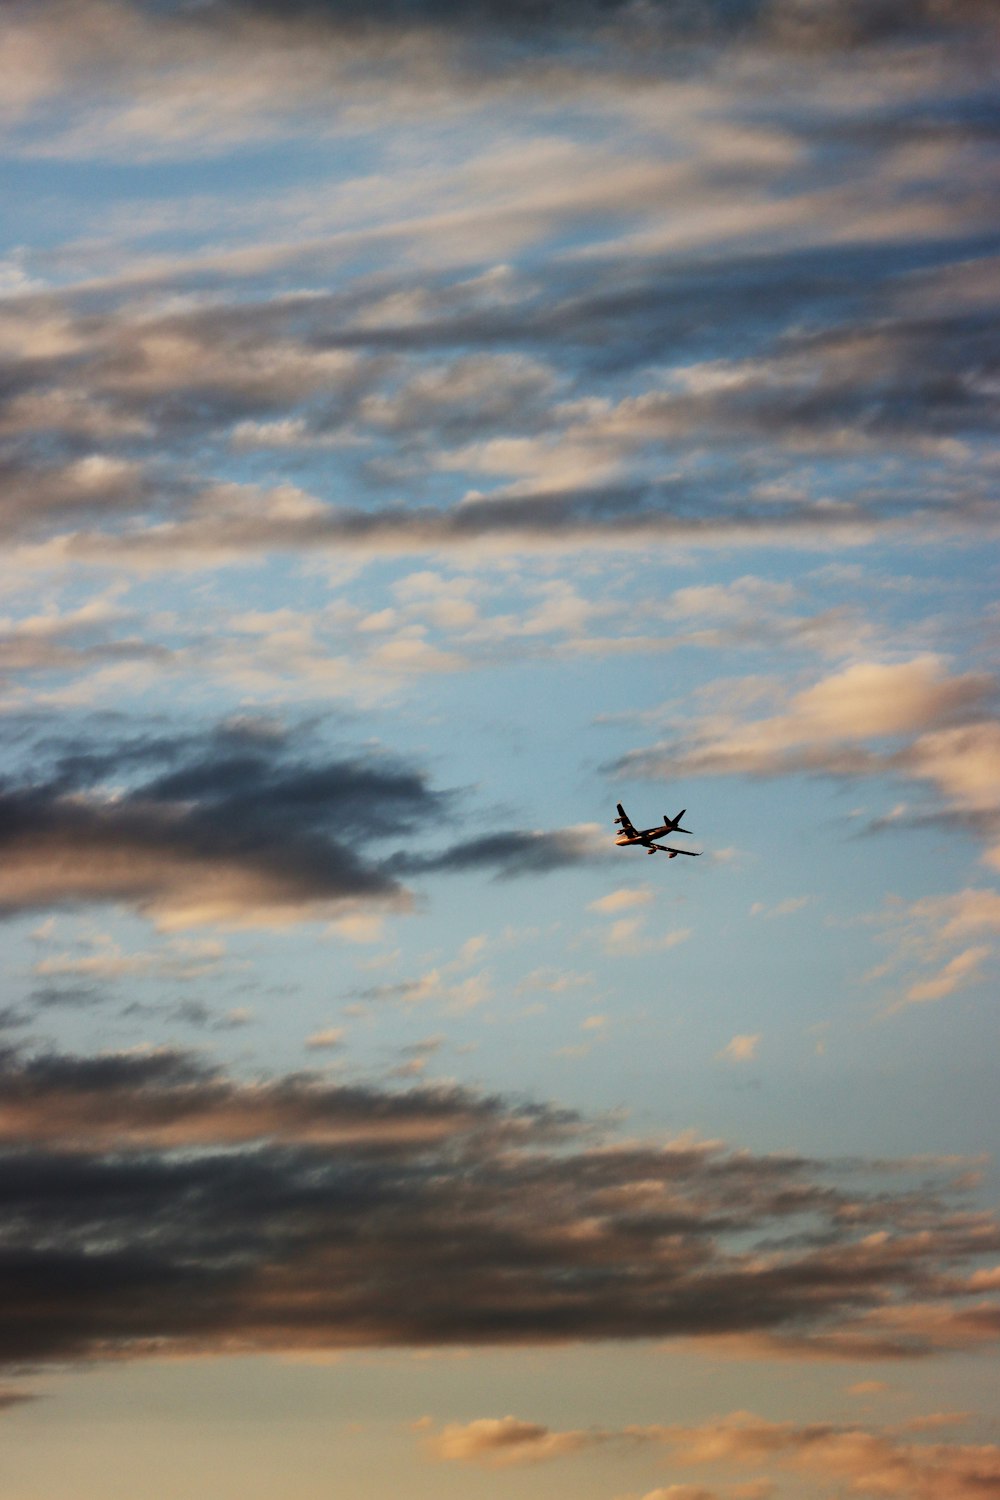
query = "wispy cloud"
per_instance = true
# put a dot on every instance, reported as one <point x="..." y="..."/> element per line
<point x="932" y="941"/>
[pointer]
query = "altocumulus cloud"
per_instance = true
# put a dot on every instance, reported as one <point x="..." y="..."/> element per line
<point x="122" y="44"/>
<point x="155" y="1203"/>
<point x="567" y="391"/>
<point x="404" y="369"/>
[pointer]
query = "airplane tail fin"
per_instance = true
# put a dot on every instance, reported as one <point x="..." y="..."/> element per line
<point x="675" y="823"/>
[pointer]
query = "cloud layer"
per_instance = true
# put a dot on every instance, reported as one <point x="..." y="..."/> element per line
<point x="155" y="1203"/>
<point x="879" y="1462"/>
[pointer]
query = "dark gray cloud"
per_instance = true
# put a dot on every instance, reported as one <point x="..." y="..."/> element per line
<point x="230" y="826"/>
<point x="66" y="996"/>
<point x="887" y="380"/>
<point x="238" y="825"/>
<point x="164" y="1097"/>
<point x="34" y="491"/>
<point x="508" y="854"/>
<point x="154" y="1203"/>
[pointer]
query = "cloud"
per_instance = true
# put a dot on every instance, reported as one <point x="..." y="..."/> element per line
<point x="915" y="1332"/>
<point x="628" y="938"/>
<point x="963" y="969"/>
<point x="157" y="1203"/>
<point x="684" y="1492"/>
<point x="76" y="491"/>
<point x="553" y="981"/>
<point x="741" y="1048"/>
<point x="511" y="854"/>
<point x="182" y="960"/>
<point x="786" y="908"/>
<point x="873" y="1462"/>
<point x="9" y="1399"/>
<point x="560" y="377"/>
<point x="924" y="934"/>
<point x="330" y="1036"/>
<point x="94" y="635"/>
<point x="911" y="719"/>
<point x="164" y="1099"/>
<point x="867" y="700"/>
<point x="230" y="828"/>
<point x="138" y="72"/>
<point x="499" y="1442"/>
<point x="454" y="996"/>
<point x="949" y="919"/>
<point x="621" y="900"/>
<point x="235" y="827"/>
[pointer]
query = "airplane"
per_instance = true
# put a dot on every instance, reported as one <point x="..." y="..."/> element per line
<point x="647" y="836"/>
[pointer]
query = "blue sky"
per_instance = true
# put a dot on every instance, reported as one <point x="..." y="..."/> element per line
<point x="423" y="427"/>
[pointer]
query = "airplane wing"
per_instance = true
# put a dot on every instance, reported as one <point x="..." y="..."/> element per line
<point x="666" y="849"/>
<point x="623" y="819"/>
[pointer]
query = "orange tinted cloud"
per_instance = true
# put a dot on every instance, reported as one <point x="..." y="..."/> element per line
<point x="292" y="1212"/>
<point x="500" y="1442"/>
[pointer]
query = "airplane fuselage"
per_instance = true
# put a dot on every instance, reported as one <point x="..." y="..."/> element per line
<point x="647" y="836"/>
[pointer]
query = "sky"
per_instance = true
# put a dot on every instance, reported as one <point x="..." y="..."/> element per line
<point x="424" y="425"/>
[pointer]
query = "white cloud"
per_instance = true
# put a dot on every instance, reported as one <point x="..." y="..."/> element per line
<point x="180" y="959"/>
<point x="786" y="908"/>
<point x="936" y="725"/>
<point x="623" y="899"/>
<point x="963" y="969"/>
<point x="329" y="1037"/>
<point x="627" y="938"/>
<point x="741" y="1048"/>
<point x="924" y="935"/>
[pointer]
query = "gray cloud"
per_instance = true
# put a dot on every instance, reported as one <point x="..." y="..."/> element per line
<point x="491" y="37"/>
<point x="235" y="826"/>
<point x="154" y="1203"/>
<point x="772" y="360"/>
<point x="230" y="827"/>
<point x="508" y="854"/>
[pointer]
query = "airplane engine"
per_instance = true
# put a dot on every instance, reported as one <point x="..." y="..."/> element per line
<point x="672" y="853"/>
